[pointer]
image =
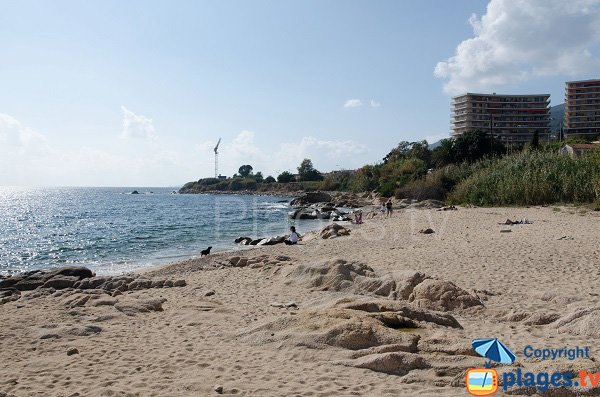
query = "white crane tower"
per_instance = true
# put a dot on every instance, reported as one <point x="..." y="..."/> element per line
<point x="217" y="159"/>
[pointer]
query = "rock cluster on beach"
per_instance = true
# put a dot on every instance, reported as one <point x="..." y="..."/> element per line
<point x="365" y="321"/>
<point x="76" y="279"/>
<point x="329" y="231"/>
<point x="321" y="205"/>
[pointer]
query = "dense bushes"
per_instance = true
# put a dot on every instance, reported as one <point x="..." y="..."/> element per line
<point x="529" y="178"/>
<point x="471" y="168"/>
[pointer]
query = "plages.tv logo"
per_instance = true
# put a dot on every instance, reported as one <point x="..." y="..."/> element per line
<point x="484" y="381"/>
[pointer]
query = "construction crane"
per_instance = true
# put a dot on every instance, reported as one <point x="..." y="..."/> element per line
<point x="217" y="158"/>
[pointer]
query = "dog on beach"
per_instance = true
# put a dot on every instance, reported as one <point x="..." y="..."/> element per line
<point x="205" y="252"/>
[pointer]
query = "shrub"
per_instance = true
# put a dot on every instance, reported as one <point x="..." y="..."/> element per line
<point x="529" y="178"/>
<point x="285" y="177"/>
<point x="423" y="189"/>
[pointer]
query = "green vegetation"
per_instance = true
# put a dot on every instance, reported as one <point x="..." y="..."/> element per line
<point x="307" y="172"/>
<point x="471" y="168"/>
<point x="529" y="178"/>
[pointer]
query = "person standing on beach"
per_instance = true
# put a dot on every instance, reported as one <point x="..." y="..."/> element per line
<point x="293" y="239"/>
<point x="388" y="207"/>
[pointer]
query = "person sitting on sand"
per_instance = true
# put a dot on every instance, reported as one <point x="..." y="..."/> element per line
<point x="293" y="239"/>
<point x="358" y="217"/>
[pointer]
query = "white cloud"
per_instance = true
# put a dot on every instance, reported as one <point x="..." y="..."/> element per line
<point x="137" y="126"/>
<point x="519" y="40"/>
<point x="375" y="104"/>
<point x="244" y="149"/>
<point x="29" y="158"/>
<point x="15" y="134"/>
<point x="353" y="103"/>
<point x="312" y="146"/>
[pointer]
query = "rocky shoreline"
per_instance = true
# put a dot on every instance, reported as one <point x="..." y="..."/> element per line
<point x="82" y="285"/>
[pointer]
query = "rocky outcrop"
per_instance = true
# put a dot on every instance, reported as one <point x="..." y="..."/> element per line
<point x="64" y="277"/>
<point x="373" y="334"/>
<point x="311" y="198"/>
<point x="78" y="279"/>
<point x="442" y="295"/>
<point x="260" y="261"/>
<point x="334" y="230"/>
<point x="358" y="278"/>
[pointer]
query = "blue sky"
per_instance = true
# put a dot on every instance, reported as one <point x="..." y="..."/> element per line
<point x="112" y="93"/>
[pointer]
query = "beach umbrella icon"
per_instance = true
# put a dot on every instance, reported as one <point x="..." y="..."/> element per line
<point x="494" y="350"/>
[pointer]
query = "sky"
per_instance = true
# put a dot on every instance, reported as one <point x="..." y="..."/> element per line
<point x="137" y="93"/>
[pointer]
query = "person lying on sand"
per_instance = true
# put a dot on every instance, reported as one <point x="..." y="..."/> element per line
<point x="293" y="239"/>
<point x="517" y="222"/>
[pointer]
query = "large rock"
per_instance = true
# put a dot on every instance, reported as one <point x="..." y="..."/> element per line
<point x="72" y="271"/>
<point x="380" y="335"/>
<point x="9" y="295"/>
<point x="272" y="240"/>
<point x="355" y="277"/>
<point x="92" y="283"/>
<point x="442" y="295"/>
<point x="332" y="275"/>
<point x="332" y="327"/>
<point x="311" y="198"/>
<point x="61" y="282"/>
<point x="31" y="280"/>
<point x="334" y="230"/>
<point x="243" y="240"/>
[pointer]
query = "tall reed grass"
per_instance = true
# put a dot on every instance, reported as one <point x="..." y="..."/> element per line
<point x="529" y="178"/>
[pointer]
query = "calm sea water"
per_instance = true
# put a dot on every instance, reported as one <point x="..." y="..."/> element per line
<point x="113" y="231"/>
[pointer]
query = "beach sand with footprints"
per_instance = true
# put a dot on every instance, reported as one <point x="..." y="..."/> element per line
<point x="383" y="310"/>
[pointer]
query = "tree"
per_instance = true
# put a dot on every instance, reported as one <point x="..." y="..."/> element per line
<point x="259" y="177"/>
<point x="443" y="154"/>
<point x="471" y="146"/>
<point x="406" y="150"/>
<point x="245" y="170"/>
<point x="285" y="177"/>
<point x="307" y="172"/>
<point x="535" y="141"/>
<point x="269" y="179"/>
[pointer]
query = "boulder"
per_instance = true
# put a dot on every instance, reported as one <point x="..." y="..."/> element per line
<point x="61" y="282"/>
<point x="334" y="230"/>
<point x="442" y="295"/>
<point x="272" y="240"/>
<point x="243" y="240"/>
<point x="311" y="198"/>
<point x="92" y="282"/>
<point x="72" y="271"/>
<point x="179" y="283"/>
<point x="140" y="284"/>
<point x="9" y="295"/>
<point x="29" y="284"/>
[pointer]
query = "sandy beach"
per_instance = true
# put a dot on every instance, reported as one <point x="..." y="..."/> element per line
<point x="383" y="311"/>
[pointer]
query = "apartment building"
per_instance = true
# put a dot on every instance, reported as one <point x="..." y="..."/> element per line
<point x="582" y="109"/>
<point x="513" y="119"/>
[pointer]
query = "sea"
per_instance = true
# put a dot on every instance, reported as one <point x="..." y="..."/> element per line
<point x="112" y="231"/>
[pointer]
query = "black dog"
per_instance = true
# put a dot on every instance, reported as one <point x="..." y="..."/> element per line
<point x="205" y="252"/>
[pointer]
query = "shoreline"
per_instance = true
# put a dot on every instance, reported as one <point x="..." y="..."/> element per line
<point x="252" y="320"/>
